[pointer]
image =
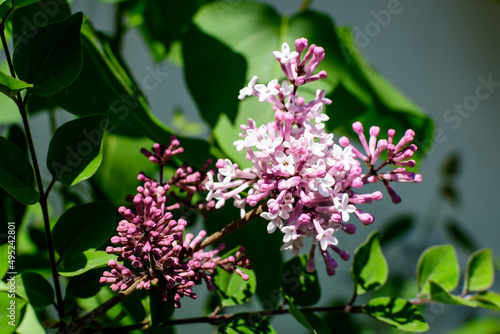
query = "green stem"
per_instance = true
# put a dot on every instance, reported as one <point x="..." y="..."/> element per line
<point x="21" y="104"/>
<point x="305" y="6"/>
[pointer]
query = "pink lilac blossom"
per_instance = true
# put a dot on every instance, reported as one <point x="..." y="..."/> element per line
<point x="155" y="244"/>
<point x="310" y="182"/>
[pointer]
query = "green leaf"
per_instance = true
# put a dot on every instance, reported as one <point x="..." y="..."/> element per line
<point x="53" y="59"/>
<point x="479" y="325"/>
<point x="308" y="319"/>
<point x="369" y="268"/>
<point x="83" y="262"/>
<point x="11" y="86"/>
<point x="85" y="285"/>
<point x="232" y="289"/>
<point x="22" y="3"/>
<point x="16" y="173"/>
<point x="35" y="288"/>
<point x="164" y="21"/>
<point x="224" y="63"/>
<point x="438" y="294"/>
<point x="160" y="311"/>
<point x="266" y="265"/>
<point x="30" y="323"/>
<point x="488" y="299"/>
<point x="480" y="273"/>
<point x="246" y="323"/>
<point x="438" y="264"/>
<point x="385" y="105"/>
<point x="115" y="93"/>
<point x="12" y="310"/>
<point x="75" y="150"/>
<point x="122" y="160"/>
<point x="299" y="284"/>
<point x="83" y="227"/>
<point x="397" y="312"/>
<point x="5" y="251"/>
<point x="363" y="94"/>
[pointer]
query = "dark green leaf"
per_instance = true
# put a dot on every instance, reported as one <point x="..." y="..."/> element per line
<point x="85" y="285"/>
<point x="397" y="312"/>
<point x="115" y="93"/>
<point x="300" y="284"/>
<point x="11" y="319"/>
<point x="246" y="323"/>
<point x="22" y="3"/>
<point x="224" y="63"/>
<point x="35" y="288"/>
<point x="438" y="294"/>
<point x="232" y="289"/>
<point x="83" y="262"/>
<point x="11" y="86"/>
<point x="160" y="311"/>
<point x="36" y="15"/>
<point x="458" y="233"/>
<point x="488" y="299"/>
<point x="38" y="103"/>
<point x="17" y="136"/>
<point x="396" y="227"/>
<point x="266" y="265"/>
<point x="369" y="268"/>
<point x="83" y="227"/>
<point x="385" y="106"/>
<point x="75" y="150"/>
<point x="164" y="21"/>
<point x="53" y="58"/>
<point x="438" y="264"/>
<point x="308" y="319"/>
<point x="480" y="273"/>
<point x="16" y="173"/>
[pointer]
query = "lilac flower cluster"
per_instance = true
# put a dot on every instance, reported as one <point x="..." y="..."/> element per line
<point x="155" y="244"/>
<point x="309" y="181"/>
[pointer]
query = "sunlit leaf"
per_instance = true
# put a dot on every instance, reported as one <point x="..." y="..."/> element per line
<point x="397" y="312"/>
<point x="438" y="294"/>
<point x="11" y="86"/>
<point x="438" y="264"/>
<point x="480" y="273"/>
<point x="75" y="150"/>
<point x="369" y="268"/>
<point x="84" y="262"/>
<point x="232" y="289"/>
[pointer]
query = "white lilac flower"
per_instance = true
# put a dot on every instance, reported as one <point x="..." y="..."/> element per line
<point x="248" y="90"/>
<point x="266" y="91"/>
<point x="285" y="55"/>
<point x="286" y="162"/>
<point x="344" y="207"/>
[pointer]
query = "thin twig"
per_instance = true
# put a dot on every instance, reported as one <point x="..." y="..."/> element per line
<point x="232" y="226"/>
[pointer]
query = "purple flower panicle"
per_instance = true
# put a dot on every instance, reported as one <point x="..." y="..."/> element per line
<point x="311" y="183"/>
<point x="157" y="246"/>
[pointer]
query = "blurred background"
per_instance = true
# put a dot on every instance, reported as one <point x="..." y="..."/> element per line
<point x="443" y="55"/>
